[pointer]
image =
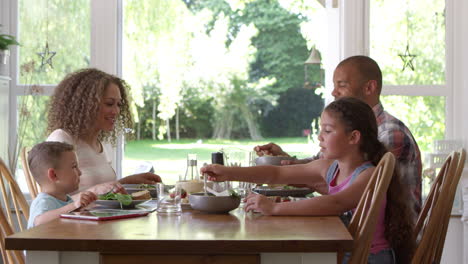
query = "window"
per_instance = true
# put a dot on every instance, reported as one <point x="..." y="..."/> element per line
<point x="63" y="28"/>
<point x="202" y="73"/>
<point x="414" y="86"/>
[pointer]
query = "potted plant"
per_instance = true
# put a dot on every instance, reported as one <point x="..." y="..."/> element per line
<point x="5" y="42"/>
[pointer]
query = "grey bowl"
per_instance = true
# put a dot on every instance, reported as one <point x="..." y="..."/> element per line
<point x="271" y="160"/>
<point x="213" y="204"/>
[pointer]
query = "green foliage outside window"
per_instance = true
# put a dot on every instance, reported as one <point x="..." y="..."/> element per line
<point x="65" y="26"/>
<point x="421" y="25"/>
<point x="241" y="54"/>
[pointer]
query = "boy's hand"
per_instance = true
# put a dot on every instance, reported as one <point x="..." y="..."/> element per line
<point x="84" y="199"/>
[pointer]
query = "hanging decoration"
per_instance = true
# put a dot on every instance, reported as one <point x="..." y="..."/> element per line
<point x="46" y="55"/>
<point x="407" y="57"/>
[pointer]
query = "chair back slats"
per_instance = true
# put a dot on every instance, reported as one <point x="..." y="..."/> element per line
<point x="364" y="221"/>
<point x="33" y="187"/>
<point x="450" y="197"/>
<point x="8" y="256"/>
<point x="432" y="224"/>
<point x="14" y="192"/>
<point x="433" y="195"/>
<point x="12" y="199"/>
<point x="5" y="197"/>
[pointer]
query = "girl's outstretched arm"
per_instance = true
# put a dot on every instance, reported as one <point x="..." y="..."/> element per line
<point x="310" y="174"/>
<point x="335" y="204"/>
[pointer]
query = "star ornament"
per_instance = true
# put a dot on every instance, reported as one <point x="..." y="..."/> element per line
<point x="407" y="59"/>
<point x="46" y="56"/>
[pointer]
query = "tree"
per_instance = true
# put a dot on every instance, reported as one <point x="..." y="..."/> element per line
<point x="280" y="50"/>
<point x="165" y="41"/>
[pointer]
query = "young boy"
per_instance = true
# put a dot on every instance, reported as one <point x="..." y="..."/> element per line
<point x="55" y="168"/>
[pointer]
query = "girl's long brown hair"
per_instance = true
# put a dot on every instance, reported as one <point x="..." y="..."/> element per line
<point x="76" y="100"/>
<point x="399" y="217"/>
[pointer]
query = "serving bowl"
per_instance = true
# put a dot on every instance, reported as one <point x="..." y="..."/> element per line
<point x="213" y="204"/>
<point x="271" y="160"/>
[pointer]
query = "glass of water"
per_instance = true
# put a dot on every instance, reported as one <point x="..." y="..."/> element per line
<point x="169" y="202"/>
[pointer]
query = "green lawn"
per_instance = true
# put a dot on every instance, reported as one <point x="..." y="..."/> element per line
<point x="169" y="159"/>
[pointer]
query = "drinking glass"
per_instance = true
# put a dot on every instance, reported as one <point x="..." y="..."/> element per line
<point x="244" y="189"/>
<point x="168" y="202"/>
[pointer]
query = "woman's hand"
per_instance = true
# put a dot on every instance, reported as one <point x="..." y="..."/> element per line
<point x="215" y="172"/>
<point x="112" y="186"/>
<point x="259" y="203"/>
<point x="141" y="178"/>
<point x="84" y="199"/>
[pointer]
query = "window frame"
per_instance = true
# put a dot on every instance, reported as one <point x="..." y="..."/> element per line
<point x="351" y="19"/>
<point x="355" y="40"/>
<point x="106" y="24"/>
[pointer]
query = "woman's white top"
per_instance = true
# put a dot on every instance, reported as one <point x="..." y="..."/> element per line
<point x="95" y="167"/>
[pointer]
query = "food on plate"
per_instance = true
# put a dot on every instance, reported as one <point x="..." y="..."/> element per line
<point x="183" y="194"/>
<point x="141" y="195"/>
<point x="146" y="186"/>
<point x="191" y="186"/>
<point x="276" y="186"/>
<point x="124" y="199"/>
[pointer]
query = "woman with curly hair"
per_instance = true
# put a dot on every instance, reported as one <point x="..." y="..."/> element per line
<point x="89" y="109"/>
<point x="351" y="150"/>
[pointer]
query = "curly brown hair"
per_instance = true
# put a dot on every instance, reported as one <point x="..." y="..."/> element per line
<point x="76" y="101"/>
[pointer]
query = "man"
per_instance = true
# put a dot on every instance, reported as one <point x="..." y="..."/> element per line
<point x="360" y="77"/>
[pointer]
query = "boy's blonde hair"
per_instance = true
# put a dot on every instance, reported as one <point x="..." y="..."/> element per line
<point x="46" y="155"/>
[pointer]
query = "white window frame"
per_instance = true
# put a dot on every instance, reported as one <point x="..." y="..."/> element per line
<point x="354" y="40"/>
<point x="350" y="21"/>
<point x="105" y="55"/>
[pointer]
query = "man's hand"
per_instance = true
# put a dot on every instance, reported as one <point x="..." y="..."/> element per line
<point x="270" y="149"/>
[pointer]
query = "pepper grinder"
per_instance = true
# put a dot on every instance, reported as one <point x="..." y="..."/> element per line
<point x="218" y="158"/>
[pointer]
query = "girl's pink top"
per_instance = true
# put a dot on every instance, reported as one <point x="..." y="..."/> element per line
<point x="379" y="241"/>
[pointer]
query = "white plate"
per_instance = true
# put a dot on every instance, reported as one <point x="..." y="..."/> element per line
<point x="296" y="192"/>
<point x="116" y="204"/>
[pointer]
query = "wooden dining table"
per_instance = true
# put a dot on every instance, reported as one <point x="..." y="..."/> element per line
<point x="190" y="237"/>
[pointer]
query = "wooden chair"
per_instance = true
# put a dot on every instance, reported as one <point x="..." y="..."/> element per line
<point x="8" y="256"/>
<point x="450" y="197"/>
<point x="364" y="221"/>
<point x="33" y="186"/>
<point x="432" y="224"/>
<point x="12" y="200"/>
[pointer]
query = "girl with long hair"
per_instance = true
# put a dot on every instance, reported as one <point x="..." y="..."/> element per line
<point x="351" y="150"/>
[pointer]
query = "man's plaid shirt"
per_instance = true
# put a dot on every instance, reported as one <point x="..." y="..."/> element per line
<point x="398" y="139"/>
